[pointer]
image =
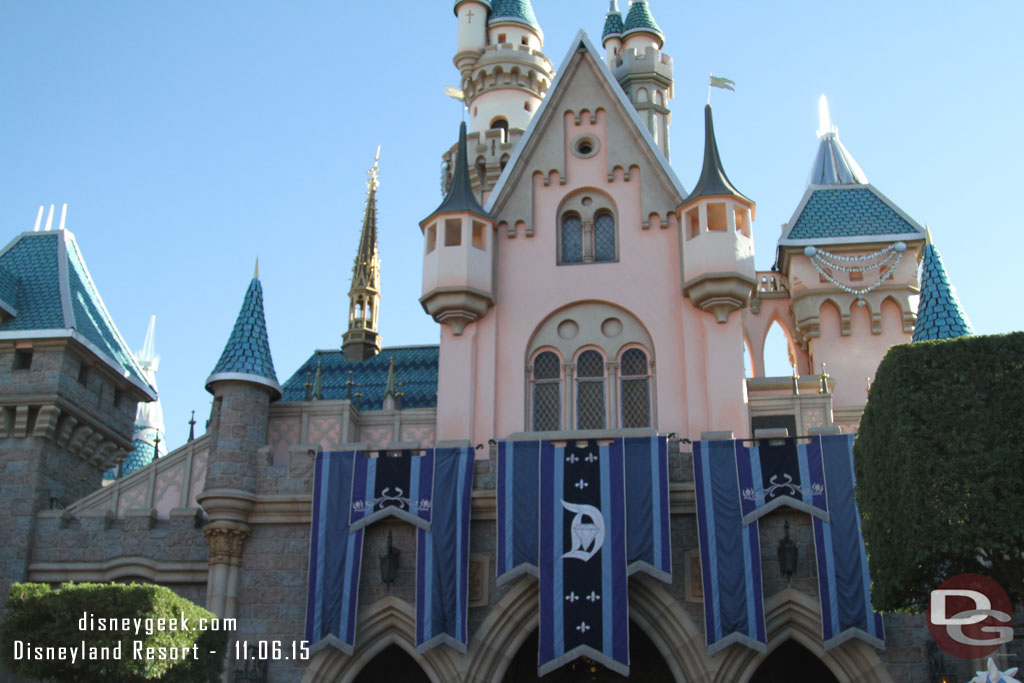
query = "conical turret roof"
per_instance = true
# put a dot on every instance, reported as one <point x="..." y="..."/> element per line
<point x="939" y="314"/>
<point x="246" y="356"/>
<point x="833" y="164"/>
<point x="460" y="195"/>
<point x="519" y="11"/>
<point x="640" y="18"/>
<point x="613" y="25"/>
<point x="713" y="181"/>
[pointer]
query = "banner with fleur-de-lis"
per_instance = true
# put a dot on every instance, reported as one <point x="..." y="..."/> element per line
<point x="584" y="606"/>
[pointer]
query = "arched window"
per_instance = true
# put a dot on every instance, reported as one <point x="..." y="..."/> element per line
<point x="590" y="383"/>
<point x="547" y="395"/>
<point x="635" y="392"/>
<point x="604" y="237"/>
<point x="572" y="239"/>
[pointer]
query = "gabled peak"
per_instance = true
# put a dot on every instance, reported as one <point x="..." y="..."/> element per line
<point x="613" y="25"/>
<point x="939" y="313"/>
<point x="246" y="356"/>
<point x="460" y="195"/>
<point x="515" y="11"/>
<point x="640" y="18"/>
<point x="833" y="165"/>
<point x="713" y="181"/>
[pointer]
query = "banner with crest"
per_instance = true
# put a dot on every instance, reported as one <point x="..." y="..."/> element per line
<point x="432" y="491"/>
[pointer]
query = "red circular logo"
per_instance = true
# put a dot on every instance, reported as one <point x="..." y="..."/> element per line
<point x="969" y="616"/>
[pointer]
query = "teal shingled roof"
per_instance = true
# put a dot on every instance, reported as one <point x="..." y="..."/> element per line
<point x="520" y="11"/>
<point x="247" y="352"/>
<point x="415" y="369"/>
<point x="939" y="313"/>
<point x="9" y="285"/>
<point x="640" y="18"/>
<point x="848" y="212"/>
<point x="56" y="293"/>
<point x="613" y="21"/>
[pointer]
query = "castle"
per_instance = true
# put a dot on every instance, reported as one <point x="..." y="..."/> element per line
<point x="581" y="292"/>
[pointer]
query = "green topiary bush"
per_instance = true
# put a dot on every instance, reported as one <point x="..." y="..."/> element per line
<point x="162" y="642"/>
<point x="940" y="468"/>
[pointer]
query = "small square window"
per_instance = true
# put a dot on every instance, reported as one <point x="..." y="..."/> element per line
<point x="524" y="40"/>
<point x="478" y="235"/>
<point x="501" y="38"/>
<point x="452" y="232"/>
<point x="23" y="359"/>
<point x="431" y="238"/>
<point x="83" y="374"/>
<point x="856" y="276"/>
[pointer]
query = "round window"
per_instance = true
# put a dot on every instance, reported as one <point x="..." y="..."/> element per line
<point x="585" y="146"/>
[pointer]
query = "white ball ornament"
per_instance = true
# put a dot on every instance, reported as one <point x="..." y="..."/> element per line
<point x="810" y="251"/>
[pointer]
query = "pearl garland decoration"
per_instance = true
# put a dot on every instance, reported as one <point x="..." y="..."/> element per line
<point x="885" y="260"/>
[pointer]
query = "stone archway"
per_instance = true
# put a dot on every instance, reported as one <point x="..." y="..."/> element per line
<point x="794" y="616"/>
<point x="386" y="623"/>
<point x="791" y="662"/>
<point x="660" y="617"/>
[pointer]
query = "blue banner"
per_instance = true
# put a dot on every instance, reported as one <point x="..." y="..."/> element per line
<point x="648" y="535"/>
<point x="779" y="472"/>
<point x="442" y="556"/>
<point x="584" y="606"/>
<point x="843" y="580"/>
<point x="352" y="489"/>
<point x="518" y="506"/>
<point x="730" y="553"/>
<point x="335" y="554"/>
<point x="393" y="485"/>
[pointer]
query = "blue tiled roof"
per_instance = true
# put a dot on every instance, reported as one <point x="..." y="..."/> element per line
<point x="9" y="286"/>
<point x="415" y="369"/>
<point x="33" y="263"/>
<point x="248" y="349"/>
<point x="520" y="10"/>
<point x="847" y="212"/>
<point x="612" y="25"/>
<point x="640" y="17"/>
<point x="939" y="313"/>
<point x="140" y="456"/>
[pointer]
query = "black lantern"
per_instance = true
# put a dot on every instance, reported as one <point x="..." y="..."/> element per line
<point x="389" y="564"/>
<point x="787" y="555"/>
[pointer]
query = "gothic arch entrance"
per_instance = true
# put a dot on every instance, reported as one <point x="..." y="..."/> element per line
<point x="791" y="662"/>
<point x="392" y="664"/>
<point x="646" y="664"/>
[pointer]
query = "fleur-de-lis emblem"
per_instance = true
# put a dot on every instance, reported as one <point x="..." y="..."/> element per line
<point x="572" y="597"/>
<point x="572" y="459"/>
<point x="593" y="597"/>
<point x="591" y="458"/>
<point x="583" y="627"/>
<point x="581" y="484"/>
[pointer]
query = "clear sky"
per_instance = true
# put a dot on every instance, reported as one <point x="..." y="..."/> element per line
<point x="191" y="137"/>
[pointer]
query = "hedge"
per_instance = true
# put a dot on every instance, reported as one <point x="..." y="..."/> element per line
<point x="940" y="468"/>
<point x="41" y="617"/>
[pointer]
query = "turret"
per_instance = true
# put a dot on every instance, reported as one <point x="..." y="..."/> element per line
<point x="458" y="281"/>
<point x="718" y="248"/>
<point x="643" y="70"/>
<point x="361" y="340"/>
<point x="611" y="35"/>
<point x="243" y="384"/>
<point x="504" y="76"/>
<point x="849" y="256"/>
<point x="939" y="313"/>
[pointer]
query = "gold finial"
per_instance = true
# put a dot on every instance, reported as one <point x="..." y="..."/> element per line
<point x="373" y="183"/>
<point x="256" y="271"/>
<point x="796" y="381"/>
<point x="823" y="380"/>
<point x="927" y="234"/>
<point x="867" y="386"/>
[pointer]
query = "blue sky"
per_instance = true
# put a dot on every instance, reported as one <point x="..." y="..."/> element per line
<point x="190" y="138"/>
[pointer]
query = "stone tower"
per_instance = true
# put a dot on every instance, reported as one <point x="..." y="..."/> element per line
<point x="243" y="384"/>
<point x="504" y="76"/>
<point x="361" y="340"/>
<point x="641" y="68"/>
<point x="68" y="387"/>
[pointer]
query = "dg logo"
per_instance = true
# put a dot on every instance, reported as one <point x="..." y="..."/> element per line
<point x="969" y="616"/>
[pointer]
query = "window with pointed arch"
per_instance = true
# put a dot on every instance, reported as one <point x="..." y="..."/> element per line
<point x="635" y="388"/>
<point x="590" y="390"/>
<point x="546" y="378"/>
